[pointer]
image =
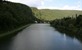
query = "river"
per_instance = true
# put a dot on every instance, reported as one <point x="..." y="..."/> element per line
<point x="41" y="37"/>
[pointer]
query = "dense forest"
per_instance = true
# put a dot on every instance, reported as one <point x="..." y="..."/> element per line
<point x="69" y="25"/>
<point x="14" y="15"/>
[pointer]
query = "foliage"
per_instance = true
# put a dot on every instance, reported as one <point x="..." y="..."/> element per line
<point x="69" y="25"/>
<point x="38" y="15"/>
<point x="13" y="15"/>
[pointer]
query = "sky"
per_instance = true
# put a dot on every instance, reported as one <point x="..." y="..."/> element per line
<point x="53" y="4"/>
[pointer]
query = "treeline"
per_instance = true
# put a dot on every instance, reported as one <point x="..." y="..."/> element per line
<point x="69" y="25"/>
<point x="38" y="15"/>
<point x="14" y="15"/>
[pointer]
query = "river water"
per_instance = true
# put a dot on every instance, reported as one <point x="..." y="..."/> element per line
<point x="41" y="37"/>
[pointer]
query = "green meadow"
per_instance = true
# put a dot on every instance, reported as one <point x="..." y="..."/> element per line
<point x="47" y="14"/>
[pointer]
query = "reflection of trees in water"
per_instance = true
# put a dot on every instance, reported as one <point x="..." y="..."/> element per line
<point x="79" y="37"/>
<point x="5" y="44"/>
<point x="69" y="25"/>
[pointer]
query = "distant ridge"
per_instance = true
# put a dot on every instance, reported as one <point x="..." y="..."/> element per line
<point x="51" y="14"/>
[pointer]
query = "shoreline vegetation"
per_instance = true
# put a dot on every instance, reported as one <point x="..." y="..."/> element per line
<point x="14" y="17"/>
<point x="12" y="32"/>
<point x="69" y="25"/>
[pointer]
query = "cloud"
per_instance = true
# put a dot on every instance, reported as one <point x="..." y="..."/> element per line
<point x="33" y="3"/>
<point x="66" y="7"/>
<point x="15" y="0"/>
<point x="40" y="4"/>
<point x="76" y="6"/>
<point x="71" y="7"/>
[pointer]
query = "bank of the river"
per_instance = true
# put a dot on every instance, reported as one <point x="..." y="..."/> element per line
<point x="69" y="26"/>
<point x="16" y="15"/>
<point x="41" y="37"/>
<point x="13" y="32"/>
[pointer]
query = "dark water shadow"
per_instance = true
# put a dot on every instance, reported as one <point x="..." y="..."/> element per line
<point x="77" y="36"/>
<point x="6" y="41"/>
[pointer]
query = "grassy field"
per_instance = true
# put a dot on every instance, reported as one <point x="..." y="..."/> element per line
<point x="47" y="14"/>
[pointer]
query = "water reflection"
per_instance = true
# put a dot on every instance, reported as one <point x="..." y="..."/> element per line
<point x="43" y="37"/>
<point x="5" y="45"/>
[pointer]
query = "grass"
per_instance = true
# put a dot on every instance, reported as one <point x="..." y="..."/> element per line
<point x="47" y="14"/>
<point x="57" y="14"/>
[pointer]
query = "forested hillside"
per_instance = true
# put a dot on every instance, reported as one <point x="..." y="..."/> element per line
<point x="14" y="15"/>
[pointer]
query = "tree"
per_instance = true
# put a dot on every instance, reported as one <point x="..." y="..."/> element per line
<point x="1" y="1"/>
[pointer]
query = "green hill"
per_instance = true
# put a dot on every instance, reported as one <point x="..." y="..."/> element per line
<point x="47" y="14"/>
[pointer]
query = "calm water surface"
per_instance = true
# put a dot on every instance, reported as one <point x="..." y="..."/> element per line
<point x="41" y="37"/>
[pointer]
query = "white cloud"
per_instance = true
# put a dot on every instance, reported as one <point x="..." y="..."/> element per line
<point x="15" y="0"/>
<point x="70" y="7"/>
<point x="77" y="6"/>
<point x="66" y="7"/>
<point x="41" y="5"/>
<point x="33" y="3"/>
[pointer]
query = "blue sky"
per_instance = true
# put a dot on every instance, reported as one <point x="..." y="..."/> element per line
<point x="53" y="4"/>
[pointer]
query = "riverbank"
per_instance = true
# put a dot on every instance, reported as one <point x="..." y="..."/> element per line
<point x="16" y="15"/>
<point x="70" y="26"/>
<point x="41" y="37"/>
<point x="12" y="33"/>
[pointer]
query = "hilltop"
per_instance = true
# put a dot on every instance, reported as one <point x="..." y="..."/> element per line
<point x="48" y="14"/>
